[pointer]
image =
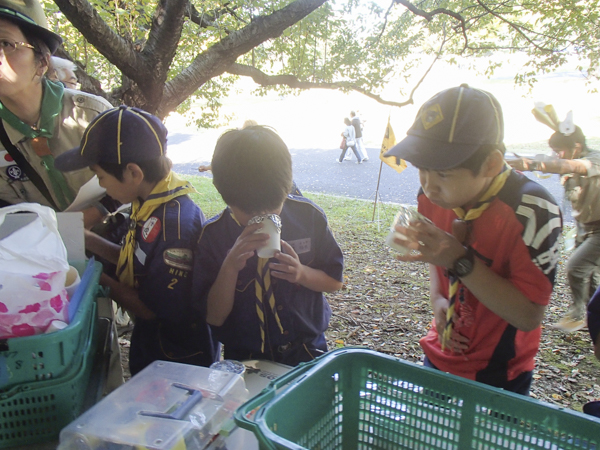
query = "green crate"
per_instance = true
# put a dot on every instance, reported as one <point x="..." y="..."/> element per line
<point x="46" y="356"/>
<point x="361" y="399"/>
<point x="35" y="412"/>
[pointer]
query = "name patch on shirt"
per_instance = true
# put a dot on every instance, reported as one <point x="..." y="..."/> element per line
<point x="151" y="229"/>
<point x="179" y="258"/>
<point x="301" y="246"/>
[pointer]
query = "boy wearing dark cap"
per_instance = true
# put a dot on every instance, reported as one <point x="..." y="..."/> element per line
<point x="125" y="147"/>
<point x="492" y="247"/>
<point x="265" y="308"/>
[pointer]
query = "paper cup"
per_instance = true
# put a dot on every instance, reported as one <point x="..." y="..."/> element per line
<point x="56" y="325"/>
<point x="72" y="281"/>
<point x="271" y="225"/>
<point x="404" y="218"/>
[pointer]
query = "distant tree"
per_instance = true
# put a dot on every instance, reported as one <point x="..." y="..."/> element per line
<point x="163" y="55"/>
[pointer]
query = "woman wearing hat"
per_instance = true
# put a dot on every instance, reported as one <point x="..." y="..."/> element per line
<point x="39" y="118"/>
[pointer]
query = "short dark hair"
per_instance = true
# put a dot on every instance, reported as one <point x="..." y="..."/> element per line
<point x="252" y="169"/>
<point x="476" y="160"/>
<point x="154" y="169"/>
<point x="41" y="50"/>
<point x="559" y="140"/>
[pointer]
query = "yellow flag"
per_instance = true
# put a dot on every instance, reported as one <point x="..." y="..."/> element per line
<point x="389" y="140"/>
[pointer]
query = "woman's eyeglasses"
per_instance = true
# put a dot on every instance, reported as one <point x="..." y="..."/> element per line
<point x="8" y="46"/>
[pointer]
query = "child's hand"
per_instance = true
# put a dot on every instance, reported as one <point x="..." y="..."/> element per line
<point x="434" y="245"/>
<point x="457" y="343"/>
<point x="289" y="267"/>
<point x="245" y="246"/>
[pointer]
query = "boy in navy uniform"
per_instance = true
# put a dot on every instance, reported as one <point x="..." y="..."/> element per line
<point x="126" y="147"/>
<point x="492" y="247"/>
<point x="264" y="308"/>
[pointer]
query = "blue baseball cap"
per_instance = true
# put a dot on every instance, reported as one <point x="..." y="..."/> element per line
<point x="117" y="136"/>
<point x="450" y="127"/>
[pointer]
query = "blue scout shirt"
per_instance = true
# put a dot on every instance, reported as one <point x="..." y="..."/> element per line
<point x="163" y="278"/>
<point x="304" y="313"/>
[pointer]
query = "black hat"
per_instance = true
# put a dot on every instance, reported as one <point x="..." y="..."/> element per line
<point x="29" y="15"/>
<point x="450" y="127"/>
<point x="117" y="136"/>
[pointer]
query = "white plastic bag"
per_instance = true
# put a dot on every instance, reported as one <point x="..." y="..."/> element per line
<point x="33" y="268"/>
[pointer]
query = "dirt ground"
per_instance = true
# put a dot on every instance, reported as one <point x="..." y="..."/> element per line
<point x="384" y="306"/>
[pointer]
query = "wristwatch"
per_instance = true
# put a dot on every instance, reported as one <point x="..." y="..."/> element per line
<point x="464" y="265"/>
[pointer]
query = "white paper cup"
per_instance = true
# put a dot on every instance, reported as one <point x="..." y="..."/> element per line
<point x="389" y="240"/>
<point x="271" y="225"/>
<point x="404" y="218"/>
<point x="56" y="325"/>
<point x="72" y="281"/>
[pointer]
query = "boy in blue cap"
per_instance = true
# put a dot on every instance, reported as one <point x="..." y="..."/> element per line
<point x="126" y="148"/>
<point x="262" y="308"/>
<point x="492" y="247"/>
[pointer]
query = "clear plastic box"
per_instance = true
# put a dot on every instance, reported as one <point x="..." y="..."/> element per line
<point x="166" y="406"/>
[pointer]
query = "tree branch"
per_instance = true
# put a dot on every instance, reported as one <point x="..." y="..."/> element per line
<point x="292" y="81"/>
<point x="518" y="28"/>
<point x="220" y="56"/>
<point x="112" y="46"/>
<point x="430" y="15"/>
<point x="206" y="19"/>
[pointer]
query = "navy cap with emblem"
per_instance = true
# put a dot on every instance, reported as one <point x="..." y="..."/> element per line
<point x="450" y="127"/>
<point x="117" y="136"/>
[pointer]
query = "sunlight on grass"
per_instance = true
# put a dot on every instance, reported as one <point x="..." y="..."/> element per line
<point x="344" y="214"/>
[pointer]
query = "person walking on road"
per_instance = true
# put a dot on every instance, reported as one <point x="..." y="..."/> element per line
<point x="357" y="124"/>
<point x="350" y="135"/>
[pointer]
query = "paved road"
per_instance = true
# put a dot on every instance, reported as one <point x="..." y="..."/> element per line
<point x="316" y="170"/>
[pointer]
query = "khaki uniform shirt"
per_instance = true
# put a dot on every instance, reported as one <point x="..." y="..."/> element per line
<point x="79" y="108"/>
<point x="584" y="190"/>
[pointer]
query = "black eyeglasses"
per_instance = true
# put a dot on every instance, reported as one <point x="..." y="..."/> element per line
<point x="9" y="46"/>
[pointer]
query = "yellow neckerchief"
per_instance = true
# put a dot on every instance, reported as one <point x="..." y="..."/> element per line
<point x="167" y="189"/>
<point x="482" y="204"/>
<point x="264" y="293"/>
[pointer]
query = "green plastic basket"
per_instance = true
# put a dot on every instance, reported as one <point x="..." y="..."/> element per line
<point x="361" y="399"/>
<point x="35" y="412"/>
<point x="46" y="356"/>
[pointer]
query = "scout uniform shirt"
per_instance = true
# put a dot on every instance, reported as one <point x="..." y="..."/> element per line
<point x="304" y="314"/>
<point x="78" y="110"/>
<point x="163" y="279"/>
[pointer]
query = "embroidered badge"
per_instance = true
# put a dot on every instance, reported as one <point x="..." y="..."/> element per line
<point x="151" y="229"/>
<point x="180" y="258"/>
<point x="5" y="159"/>
<point x="14" y="172"/>
<point x="300" y="246"/>
<point x="432" y="116"/>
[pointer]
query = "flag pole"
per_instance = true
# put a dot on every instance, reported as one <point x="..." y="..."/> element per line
<point x="377" y="190"/>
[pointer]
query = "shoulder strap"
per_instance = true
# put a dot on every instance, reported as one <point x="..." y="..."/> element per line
<point x="25" y="166"/>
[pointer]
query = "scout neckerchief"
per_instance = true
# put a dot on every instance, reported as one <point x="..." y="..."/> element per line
<point x="51" y="107"/>
<point x="264" y="293"/>
<point x="166" y="190"/>
<point x="482" y="204"/>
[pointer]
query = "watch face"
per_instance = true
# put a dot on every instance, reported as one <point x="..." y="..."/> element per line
<point x="463" y="266"/>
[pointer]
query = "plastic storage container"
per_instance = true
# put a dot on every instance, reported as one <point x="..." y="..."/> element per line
<point x="36" y="411"/>
<point x="361" y="399"/>
<point x="166" y="406"/>
<point x="45" y="356"/>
